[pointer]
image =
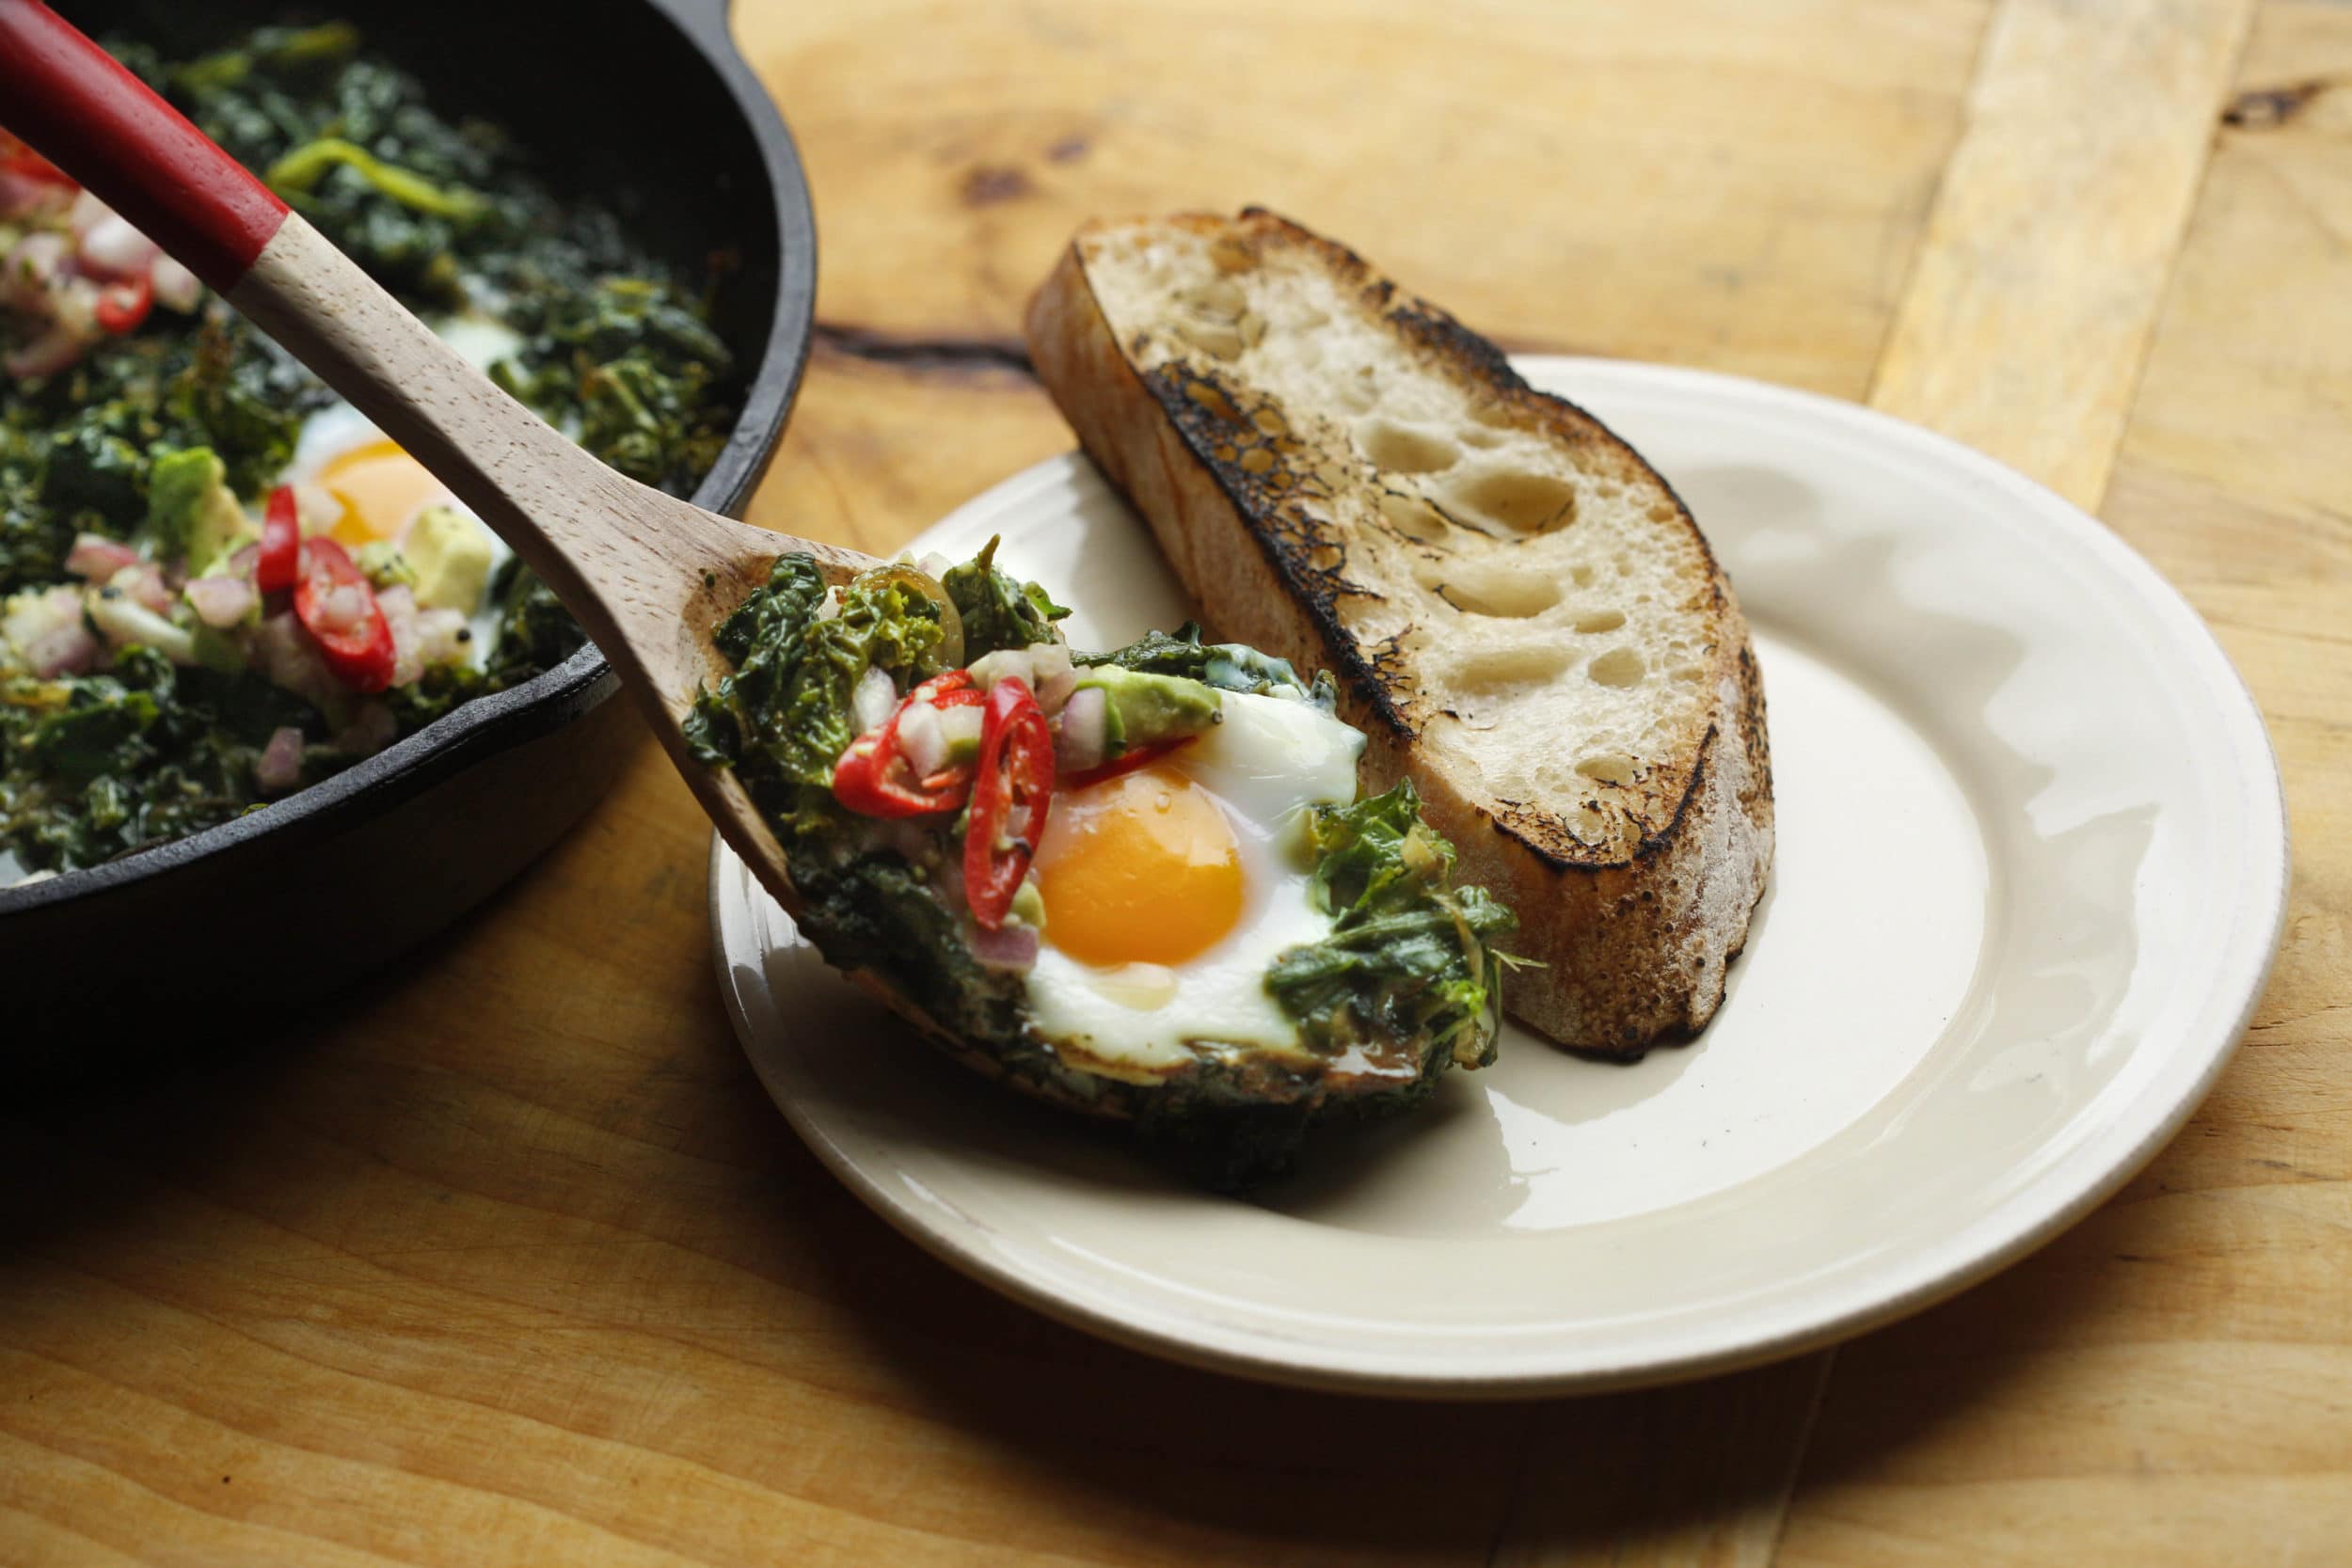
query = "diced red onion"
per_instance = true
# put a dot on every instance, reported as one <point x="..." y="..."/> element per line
<point x="1085" y="725"/>
<point x="284" y="652"/>
<point x="96" y="558"/>
<point x="27" y="615"/>
<point x="176" y="287"/>
<point x="279" y="767"/>
<point x="221" y="601"/>
<point x="1043" y="667"/>
<point x="116" y="249"/>
<point x="921" y="741"/>
<point x="67" y="650"/>
<point x="1010" y="947"/>
<point x="988" y="669"/>
<point x="142" y="581"/>
<point x="241" y="563"/>
<point x="874" y="698"/>
<point x="47" y="629"/>
<point x="934" y="566"/>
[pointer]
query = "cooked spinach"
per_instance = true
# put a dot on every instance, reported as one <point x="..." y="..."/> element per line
<point x="997" y="611"/>
<point x="1407" y="958"/>
<point x="99" y="764"/>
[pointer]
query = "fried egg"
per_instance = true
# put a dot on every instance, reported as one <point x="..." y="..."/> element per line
<point x="380" y="487"/>
<point x="1168" y="891"/>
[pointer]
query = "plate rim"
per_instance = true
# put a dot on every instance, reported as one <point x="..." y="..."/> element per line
<point x="2242" y="968"/>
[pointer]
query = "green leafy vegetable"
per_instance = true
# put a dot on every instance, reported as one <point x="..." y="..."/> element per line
<point x="997" y="611"/>
<point x="1407" y="956"/>
<point x="629" y="363"/>
<point x="1228" y="666"/>
<point x="99" y="764"/>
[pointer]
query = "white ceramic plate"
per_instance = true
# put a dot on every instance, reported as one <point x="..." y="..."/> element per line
<point x="2032" y="861"/>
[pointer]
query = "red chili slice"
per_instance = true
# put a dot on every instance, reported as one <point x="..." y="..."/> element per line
<point x="1126" y="762"/>
<point x="122" y="306"/>
<point x="952" y="689"/>
<point x="280" y="560"/>
<point x="1010" y="800"/>
<point x="338" y="608"/>
<point x="869" y="778"/>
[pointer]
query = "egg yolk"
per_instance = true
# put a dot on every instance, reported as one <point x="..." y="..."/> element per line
<point x="1142" y="868"/>
<point x="381" y="488"/>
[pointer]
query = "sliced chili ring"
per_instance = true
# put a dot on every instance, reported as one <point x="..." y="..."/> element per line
<point x="1010" y="800"/>
<point x="280" y="560"/>
<point x="337" y="607"/>
<point x="871" y="781"/>
<point x="869" y="778"/>
<point x="122" y="306"/>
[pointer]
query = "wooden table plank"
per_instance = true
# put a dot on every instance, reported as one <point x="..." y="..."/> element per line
<point x="2024" y="322"/>
<point x="1668" y="182"/>
<point x="2171" y="1382"/>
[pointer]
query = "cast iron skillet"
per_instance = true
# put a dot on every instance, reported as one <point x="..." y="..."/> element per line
<point x="206" y="935"/>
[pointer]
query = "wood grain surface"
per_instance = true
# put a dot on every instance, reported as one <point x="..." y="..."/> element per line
<point x="504" y="1257"/>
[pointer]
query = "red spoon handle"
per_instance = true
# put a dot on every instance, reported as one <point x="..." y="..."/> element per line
<point x="78" y="107"/>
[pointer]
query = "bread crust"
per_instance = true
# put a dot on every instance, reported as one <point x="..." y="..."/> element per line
<point x="1635" y="942"/>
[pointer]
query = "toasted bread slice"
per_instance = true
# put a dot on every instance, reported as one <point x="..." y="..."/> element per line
<point x="1522" y="615"/>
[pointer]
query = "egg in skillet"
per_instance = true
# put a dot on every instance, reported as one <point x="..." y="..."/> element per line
<point x="378" y="490"/>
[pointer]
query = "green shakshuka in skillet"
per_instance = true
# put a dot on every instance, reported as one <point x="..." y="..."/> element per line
<point x="1140" y="883"/>
<point x="218" y="582"/>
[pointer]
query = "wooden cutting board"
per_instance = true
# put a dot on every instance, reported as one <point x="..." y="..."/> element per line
<point x="506" y="1258"/>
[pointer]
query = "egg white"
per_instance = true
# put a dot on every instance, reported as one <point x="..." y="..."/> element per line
<point x="1264" y="763"/>
<point x="338" y="428"/>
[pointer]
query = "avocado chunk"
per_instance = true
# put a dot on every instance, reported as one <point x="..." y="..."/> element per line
<point x="1142" y="709"/>
<point x="384" y="565"/>
<point x="191" y="514"/>
<point x="449" y="559"/>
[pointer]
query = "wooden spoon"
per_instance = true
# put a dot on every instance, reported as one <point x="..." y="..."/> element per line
<point x="647" y="574"/>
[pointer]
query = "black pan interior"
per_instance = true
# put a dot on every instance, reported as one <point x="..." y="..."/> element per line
<point x="607" y="96"/>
